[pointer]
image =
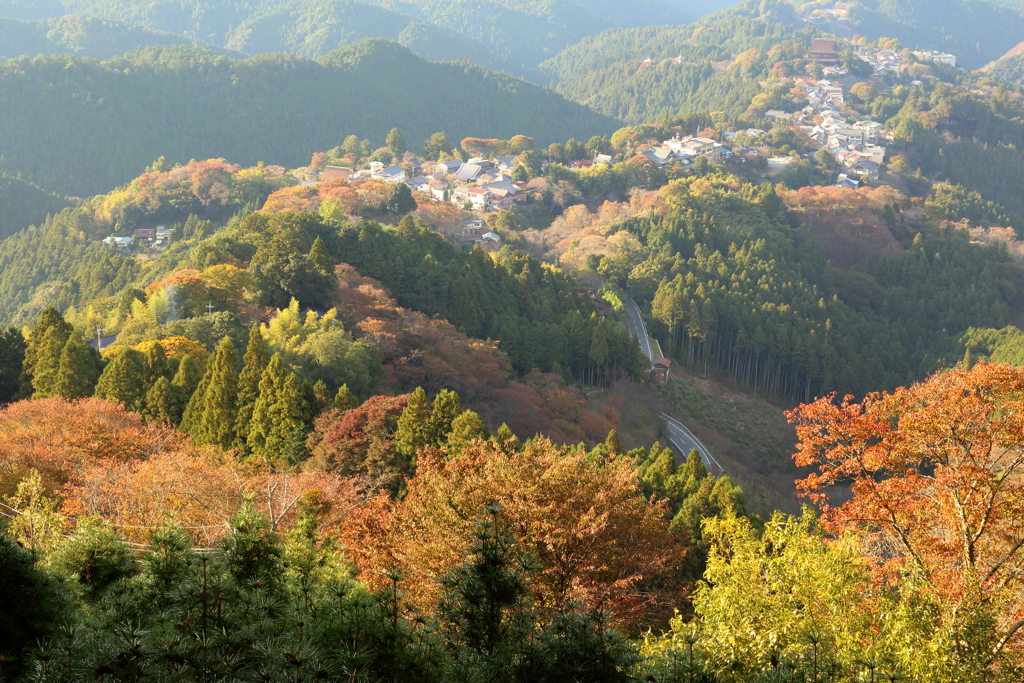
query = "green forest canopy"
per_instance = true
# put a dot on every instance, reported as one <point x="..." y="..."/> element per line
<point x="23" y="204"/>
<point x="606" y="72"/>
<point x="83" y="37"/>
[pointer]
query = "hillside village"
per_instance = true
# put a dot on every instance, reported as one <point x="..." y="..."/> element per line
<point x="827" y="122"/>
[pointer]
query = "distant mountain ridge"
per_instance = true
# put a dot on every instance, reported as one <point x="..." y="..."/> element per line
<point x="23" y="204"/>
<point x="1010" y="67"/>
<point x="510" y="35"/>
<point x="184" y="103"/>
<point x="84" y="37"/>
<point x="690" y="64"/>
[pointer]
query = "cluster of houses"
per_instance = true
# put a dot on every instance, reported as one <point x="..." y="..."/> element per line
<point x="943" y="58"/>
<point x="156" y="238"/>
<point x="480" y="184"/>
<point x="854" y="145"/>
<point x="882" y="61"/>
<point x="474" y="231"/>
<point x="886" y="62"/>
<point x="684" y="150"/>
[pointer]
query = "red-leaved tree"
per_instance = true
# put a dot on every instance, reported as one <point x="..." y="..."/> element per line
<point x="937" y="473"/>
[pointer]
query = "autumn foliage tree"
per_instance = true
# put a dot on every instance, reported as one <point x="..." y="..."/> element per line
<point x="60" y="439"/>
<point x="937" y="475"/>
<point x="595" y="536"/>
<point x="202" y="491"/>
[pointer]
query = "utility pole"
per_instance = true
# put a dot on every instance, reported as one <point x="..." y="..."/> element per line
<point x="209" y="307"/>
<point x="99" y="338"/>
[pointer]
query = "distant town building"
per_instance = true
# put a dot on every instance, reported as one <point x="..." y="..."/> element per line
<point x="336" y="173"/>
<point x="938" y="57"/>
<point x="824" y="52"/>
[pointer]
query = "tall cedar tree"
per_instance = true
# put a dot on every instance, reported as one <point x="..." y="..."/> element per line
<point x="156" y="364"/>
<point x="320" y="257"/>
<point x="216" y="423"/>
<point x="261" y="437"/>
<point x="47" y="363"/>
<point x="292" y="420"/>
<point x="321" y="398"/>
<point x="396" y="142"/>
<point x="50" y="317"/>
<point x="78" y="369"/>
<point x="162" y="403"/>
<point x="124" y="380"/>
<point x="194" y="406"/>
<point x="255" y="362"/>
<point x="12" y="363"/>
<point x="413" y="430"/>
<point x="465" y="428"/>
<point x="444" y="410"/>
<point x="187" y="378"/>
<point x="344" y="400"/>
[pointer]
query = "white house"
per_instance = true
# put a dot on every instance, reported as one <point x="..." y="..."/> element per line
<point x="694" y="147"/>
<point x="391" y="174"/>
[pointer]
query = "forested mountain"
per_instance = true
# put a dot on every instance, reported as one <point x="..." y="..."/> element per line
<point x="182" y="104"/>
<point x="81" y="36"/>
<point x="23" y="204"/>
<point x="798" y="312"/>
<point x="962" y="137"/>
<point x="514" y="35"/>
<point x="693" y="67"/>
<point x="1009" y="68"/>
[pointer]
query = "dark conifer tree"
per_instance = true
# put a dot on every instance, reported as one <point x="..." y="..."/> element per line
<point x="444" y="410"/>
<point x="50" y="318"/>
<point x="156" y="364"/>
<point x="321" y="258"/>
<point x="255" y="362"/>
<point x="413" y="430"/>
<point x="78" y="369"/>
<point x="321" y="397"/>
<point x="123" y="380"/>
<point x="186" y="381"/>
<point x="47" y="354"/>
<point x="507" y="439"/>
<point x="12" y="363"/>
<point x="216" y="423"/>
<point x="291" y="423"/>
<point x="262" y="426"/>
<point x="31" y="605"/>
<point x="162" y="403"/>
<point x="344" y="400"/>
<point x="396" y="142"/>
<point x="465" y="428"/>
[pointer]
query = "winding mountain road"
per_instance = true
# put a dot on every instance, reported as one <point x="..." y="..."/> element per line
<point x="682" y="438"/>
<point x="637" y="321"/>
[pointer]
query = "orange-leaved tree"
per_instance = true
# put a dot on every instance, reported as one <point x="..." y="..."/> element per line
<point x="201" y="492"/>
<point x="937" y="474"/>
<point x="596" y="539"/>
<point x="61" y="439"/>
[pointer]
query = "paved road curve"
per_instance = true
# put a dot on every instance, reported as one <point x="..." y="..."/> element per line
<point x="637" y="321"/>
<point x="682" y="438"/>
